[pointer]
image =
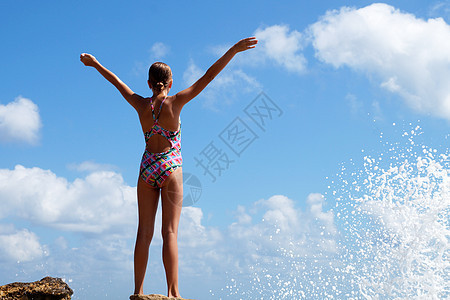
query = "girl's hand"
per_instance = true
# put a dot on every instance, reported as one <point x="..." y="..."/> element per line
<point x="245" y="44"/>
<point x="88" y="60"/>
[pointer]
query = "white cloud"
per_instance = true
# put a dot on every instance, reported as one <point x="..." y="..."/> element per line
<point x="192" y="74"/>
<point x="409" y="56"/>
<point x="252" y="240"/>
<point x="281" y="46"/>
<point x="316" y="202"/>
<point x="20" y="121"/>
<point x="20" y="245"/>
<point x="197" y="234"/>
<point x="255" y="238"/>
<point x="94" y="219"/>
<point x="101" y="201"/>
<point x="159" y="50"/>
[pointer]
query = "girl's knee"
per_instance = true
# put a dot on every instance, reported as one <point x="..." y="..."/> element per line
<point x="145" y="235"/>
<point x="168" y="232"/>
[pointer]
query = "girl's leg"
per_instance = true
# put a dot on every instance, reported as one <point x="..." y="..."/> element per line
<point x="147" y="205"/>
<point x="172" y="201"/>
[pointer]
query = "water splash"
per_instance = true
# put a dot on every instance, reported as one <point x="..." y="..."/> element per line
<point x="395" y="216"/>
<point x="293" y="272"/>
<point x="392" y="211"/>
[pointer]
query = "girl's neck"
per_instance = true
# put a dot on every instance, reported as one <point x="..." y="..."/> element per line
<point x="162" y="94"/>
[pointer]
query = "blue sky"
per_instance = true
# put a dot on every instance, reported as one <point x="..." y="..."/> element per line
<point x="346" y="78"/>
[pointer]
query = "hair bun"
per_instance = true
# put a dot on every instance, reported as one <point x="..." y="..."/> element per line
<point x="160" y="85"/>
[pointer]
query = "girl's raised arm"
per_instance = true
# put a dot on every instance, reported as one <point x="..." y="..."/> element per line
<point x="188" y="94"/>
<point x="127" y="93"/>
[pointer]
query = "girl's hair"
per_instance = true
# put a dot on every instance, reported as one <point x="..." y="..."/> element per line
<point x="159" y="76"/>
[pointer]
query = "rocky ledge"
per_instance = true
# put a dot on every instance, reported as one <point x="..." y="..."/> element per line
<point x="47" y="288"/>
<point x="154" y="297"/>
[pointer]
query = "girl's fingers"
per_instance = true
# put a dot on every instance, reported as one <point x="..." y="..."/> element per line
<point x="250" y="42"/>
<point x="251" y="39"/>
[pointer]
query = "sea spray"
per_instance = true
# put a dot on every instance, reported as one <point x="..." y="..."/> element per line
<point x="392" y="215"/>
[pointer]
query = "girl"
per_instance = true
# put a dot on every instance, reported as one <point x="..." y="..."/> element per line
<point x="160" y="171"/>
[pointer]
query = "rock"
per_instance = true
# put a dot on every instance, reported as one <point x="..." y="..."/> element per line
<point x="154" y="297"/>
<point x="47" y="288"/>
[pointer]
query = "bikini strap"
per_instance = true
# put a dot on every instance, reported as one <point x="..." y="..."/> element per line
<point x="153" y="109"/>
<point x="160" y="107"/>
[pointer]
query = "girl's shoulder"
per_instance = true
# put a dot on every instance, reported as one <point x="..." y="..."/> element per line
<point x="170" y="101"/>
<point x="145" y="104"/>
<point x="174" y="102"/>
